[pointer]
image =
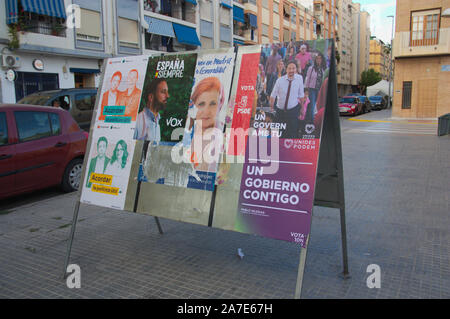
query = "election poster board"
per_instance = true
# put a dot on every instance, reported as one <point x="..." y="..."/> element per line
<point x="274" y="186"/>
<point x="262" y="154"/>
<point x="111" y="151"/>
<point x="192" y="122"/>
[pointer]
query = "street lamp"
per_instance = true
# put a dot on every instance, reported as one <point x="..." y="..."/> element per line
<point x="390" y="63"/>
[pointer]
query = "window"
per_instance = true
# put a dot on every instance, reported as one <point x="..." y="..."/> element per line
<point x="56" y="124"/>
<point x="128" y="33"/>
<point x="265" y="3"/>
<point x="90" y="26"/>
<point x="32" y="125"/>
<point x="265" y="29"/>
<point x="425" y="27"/>
<point x="61" y="101"/>
<point x="276" y="35"/>
<point x="3" y="129"/>
<point x="275" y="7"/>
<point x="286" y="35"/>
<point x="406" y="96"/>
<point x="225" y="17"/>
<point x="85" y="102"/>
<point x="206" y="11"/>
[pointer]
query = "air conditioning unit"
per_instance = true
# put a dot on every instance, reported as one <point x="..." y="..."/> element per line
<point x="10" y="61"/>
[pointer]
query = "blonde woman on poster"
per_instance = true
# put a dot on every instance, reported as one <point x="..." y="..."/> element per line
<point x="208" y="99"/>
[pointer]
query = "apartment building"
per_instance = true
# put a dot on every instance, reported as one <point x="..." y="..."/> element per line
<point x="360" y="43"/>
<point x="266" y="21"/>
<point x="345" y="42"/>
<point x="364" y="40"/>
<point x="422" y="59"/>
<point x="379" y="58"/>
<point x="63" y="45"/>
<point x="325" y="12"/>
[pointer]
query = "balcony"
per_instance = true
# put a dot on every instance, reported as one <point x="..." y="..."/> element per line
<point x="405" y="47"/>
<point x="181" y="10"/>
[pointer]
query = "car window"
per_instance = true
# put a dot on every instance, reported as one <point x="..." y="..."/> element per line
<point x="56" y="124"/>
<point x="32" y="125"/>
<point x="62" y="101"/>
<point x="3" y="129"/>
<point x="35" y="99"/>
<point x="85" y="102"/>
<point x="348" y="100"/>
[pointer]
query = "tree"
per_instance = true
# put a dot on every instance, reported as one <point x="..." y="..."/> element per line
<point x="369" y="78"/>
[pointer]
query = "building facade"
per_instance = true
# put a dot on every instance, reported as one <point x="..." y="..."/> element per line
<point x="422" y="59"/>
<point x="379" y="58"/>
<point x="63" y="46"/>
<point x="345" y="47"/>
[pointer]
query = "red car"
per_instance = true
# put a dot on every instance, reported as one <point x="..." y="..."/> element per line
<point x="350" y="105"/>
<point x="40" y="146"/>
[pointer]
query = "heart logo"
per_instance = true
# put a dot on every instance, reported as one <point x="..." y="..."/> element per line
<point x="309" y="128"/>
<point x="288" y="143"/>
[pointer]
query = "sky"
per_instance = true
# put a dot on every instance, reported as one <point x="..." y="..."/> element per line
<point x="380" y="25"/>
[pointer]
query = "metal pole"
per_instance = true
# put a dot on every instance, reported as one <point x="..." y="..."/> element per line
<point x="301" y="271"/>
<point x="72" y="233"/>
<point x="390" y="64"/>
<point x="344" y="242"/>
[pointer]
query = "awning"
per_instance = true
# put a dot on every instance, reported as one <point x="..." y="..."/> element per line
<point x="85" y="71"/>
<point x="253" y="20"/>
<point x="238" y="14"/>
<point x="12" y="11"/>
<point x="192" y="1"/>
<point x="186" y="35"/>
<point x="158" y="26"/>
<point x="226" y="4"/>
<point x="52" y="8"/>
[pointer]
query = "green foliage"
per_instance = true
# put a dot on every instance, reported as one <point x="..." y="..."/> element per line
<point x="369" y="78"/>
<point x="13" y="36"/>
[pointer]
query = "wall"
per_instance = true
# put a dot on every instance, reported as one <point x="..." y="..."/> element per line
<point x="430" y="93"/>
<point x="52" y="64"/>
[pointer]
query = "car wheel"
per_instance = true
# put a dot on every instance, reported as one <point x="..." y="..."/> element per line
<point x="72" y="175"/>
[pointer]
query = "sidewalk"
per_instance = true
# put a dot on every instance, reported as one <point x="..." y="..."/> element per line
<point x="397" y="198"/>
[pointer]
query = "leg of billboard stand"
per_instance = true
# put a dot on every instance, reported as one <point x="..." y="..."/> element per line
<point x="72" y="233"/>
<point x="301" y="271"/>
<point x="345" y="274"/>
<point x="159" y="225"/>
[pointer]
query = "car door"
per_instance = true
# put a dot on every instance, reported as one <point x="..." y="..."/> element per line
<point x="84" y="103"/>
<point x="7" y="157"/>
<point x="41" y="149"/>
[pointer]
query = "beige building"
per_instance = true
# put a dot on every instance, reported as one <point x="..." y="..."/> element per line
<point x="267" y="21"/>
<point x="345" y="46"/>
<point x="379" y="58"/>
<point x="364" y="40"/>
<point x="361" y="43"/>
<point x="422" y="59"/>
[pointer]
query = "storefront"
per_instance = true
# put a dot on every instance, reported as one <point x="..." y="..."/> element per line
<point x="38" y="72"/>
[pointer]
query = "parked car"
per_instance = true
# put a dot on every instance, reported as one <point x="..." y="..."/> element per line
<point x="40" y="146"/>
<point x="367" y="106"/>
<point x="79" y="102"/>
<point x="350" y="105"/>
<point x="378" y="103"/>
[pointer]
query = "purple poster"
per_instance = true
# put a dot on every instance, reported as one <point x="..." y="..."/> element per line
<point x="276" y="201"/>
